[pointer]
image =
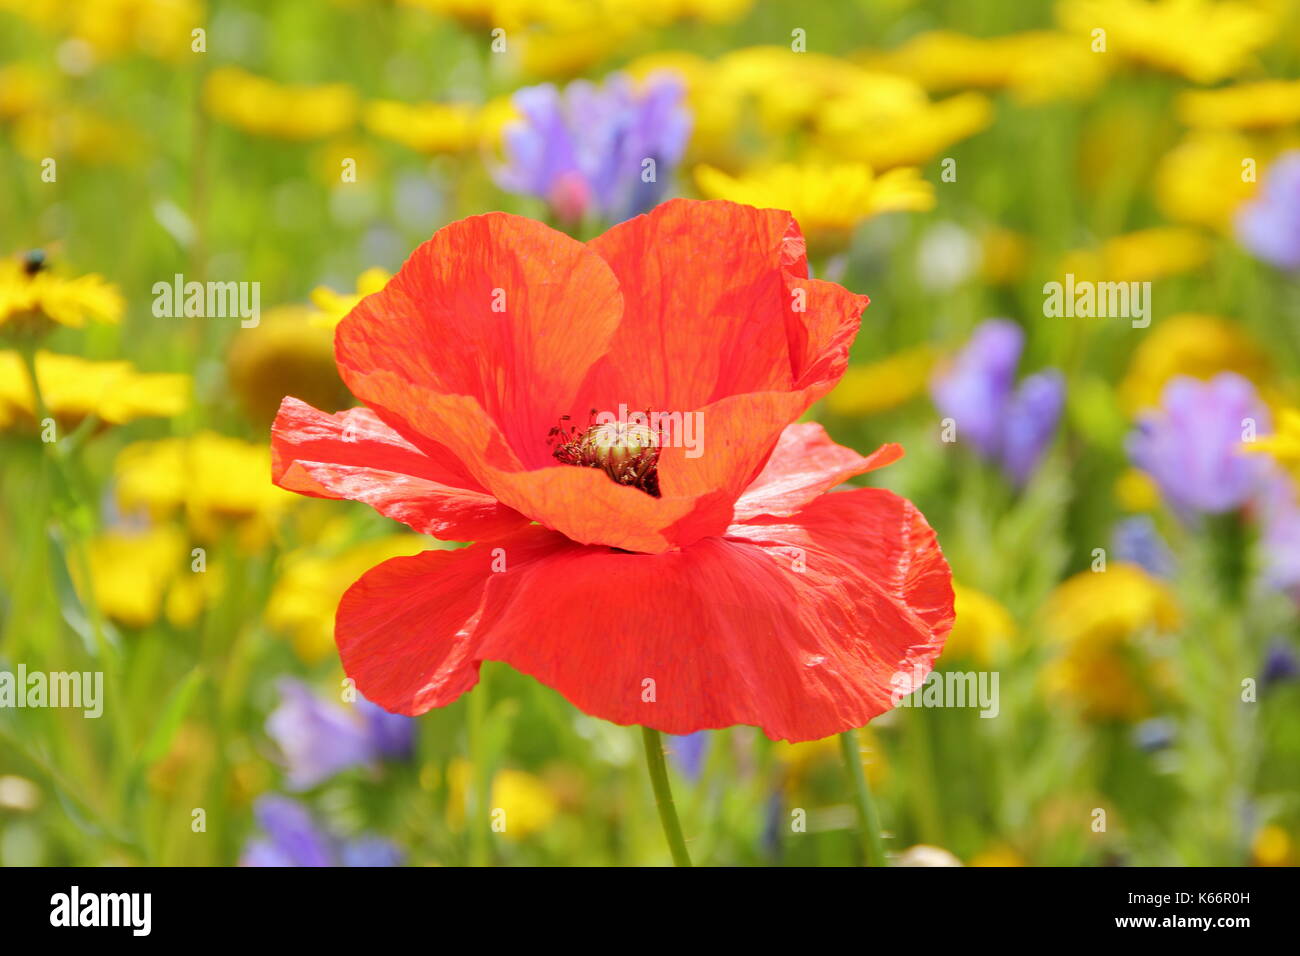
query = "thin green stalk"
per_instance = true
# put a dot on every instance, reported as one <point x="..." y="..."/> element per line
<point x="478" y="807"/>
<point x="70" y="517"/>
<point x="868" y="818"/>
<point x="658" y="767"/>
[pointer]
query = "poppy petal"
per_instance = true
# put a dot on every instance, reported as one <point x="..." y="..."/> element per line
<point x="801" y="627"/>
<point x="496" y="308"/>
<point x="720" y="302"/>
<point x="708" y="317"/>
<point x="804" y="465"/>
<point x="354" y="455"/>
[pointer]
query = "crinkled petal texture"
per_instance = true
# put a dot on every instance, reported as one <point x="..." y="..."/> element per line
<point x="802" y="624"/>
<point x="354" y="455"/>
<point x="498" y="327"/>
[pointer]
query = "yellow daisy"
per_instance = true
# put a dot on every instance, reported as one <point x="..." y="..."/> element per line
<point x="74" y="388"/>
<point x="33" y="297"/>
<point x="215" y="480"/>
<point x="1284" y="444"/>
<point x="828" y="201"/>
<point x="429" y="128"/>
<point x="263" y="107"/>
<point x="333" y="306"/>
<point x="1192" y="344"/>
<point x="1202" y="40"/>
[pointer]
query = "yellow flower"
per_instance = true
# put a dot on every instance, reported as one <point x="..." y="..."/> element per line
<point x="1272" y="846"/>
<point x="521" y="803"/>
<point x="24" y="89"/>
<point x="801" y="760"/>
<point x="754" y="97"/>
<point x="1284" y="444"/>
<point x="213" y="479"/>
<point x="1095" y="618"/>
<point x="78" y="133"/>
<point x="291" y="352"/>
<point x="507" y="14"/>
<point x="1003" y="256"/>
<point x="137" y="576"/>
<point x="32" y="296"/>
<point x="74" y="388"/>
<point x="333" y="306"/>
<point x="983" y="630"/>
<point x="828" y="201"/>
<point x="263" y="107"/>
<point x="1036" y="66"/>
<point x="888" y="131"/>
<point x="1203" y="179"/>
<point x="157" y="28"/>
<point x="1268" y="103"/>
<point x="1200" y="346"/>
<point x="1109" y="607"/>
<point x="429" y="128"/>
<point x="880" y="386"/>
<point x="307" y="592"/>
<point x="1202" y="40"/>
<point x="558" y="54"/>
<point x="1147" y="254"/>
<point x="1136" y="491"/>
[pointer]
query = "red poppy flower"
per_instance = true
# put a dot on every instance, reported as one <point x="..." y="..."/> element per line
<point x="661" y="587"/>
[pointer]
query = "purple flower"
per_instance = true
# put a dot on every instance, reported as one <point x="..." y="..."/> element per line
<point x="1009" y="425"/>
<point x="1136" y="541"/>
<point x="1280" y="539"/>
<point x="1029" y="423"/>
<point x="1269" y="226"/>
<point x="687" y="753"/>
<point x="584" y="149"/>
<point x="293" y="838"/>
<point x="1280" y="663"/>
<point x="392" y="735"/>
<point x="320" y="739"/>
<point x="1191" y="444"/>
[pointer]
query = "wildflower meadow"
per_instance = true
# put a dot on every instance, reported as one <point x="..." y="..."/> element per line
<point x="744" y="433"/>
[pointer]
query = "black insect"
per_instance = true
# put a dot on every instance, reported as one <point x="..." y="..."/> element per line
<point x="34" y="261"/>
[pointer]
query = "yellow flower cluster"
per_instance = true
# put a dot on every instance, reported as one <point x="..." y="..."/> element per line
<point x="1035" y="66"/>
<point x="1096" y="620"/>
<point x="113" y="28"/>
<point x="1204" y="41"/>
<point x="211" y="479"/>
<point x="836" y="107"/>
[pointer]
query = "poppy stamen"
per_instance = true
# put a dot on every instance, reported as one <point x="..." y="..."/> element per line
<point x="626" y="451"/>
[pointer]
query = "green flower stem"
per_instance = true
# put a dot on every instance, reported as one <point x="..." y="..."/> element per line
<point x="478" y="805"/>
<point x="658" y="767"/>
<point x="868" y="818"/>
<point x="72" y="518"/>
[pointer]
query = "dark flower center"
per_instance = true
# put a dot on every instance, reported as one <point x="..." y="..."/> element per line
<point x="626" y="451"/>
